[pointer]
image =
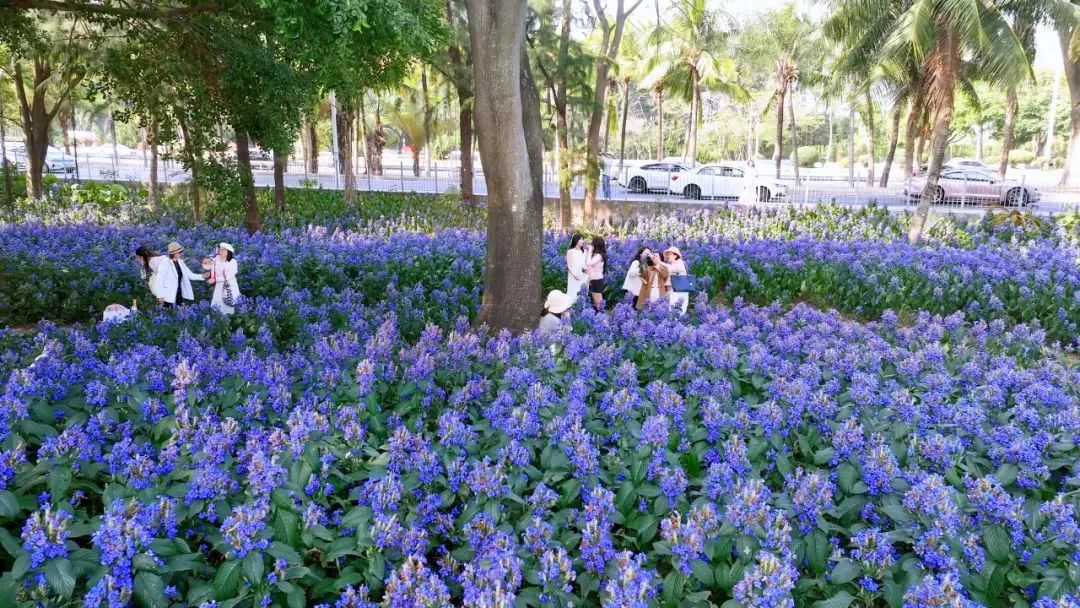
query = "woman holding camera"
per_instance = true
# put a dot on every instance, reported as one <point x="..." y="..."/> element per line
<point x="654" y="280"/>
<point x="632" y="283"/>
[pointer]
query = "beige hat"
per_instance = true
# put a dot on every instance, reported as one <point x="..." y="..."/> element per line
<point x="557" y="302"/>
<point x="674" y="250"/>
<point x="227" y="247"/>
<point x="174" y="247"/>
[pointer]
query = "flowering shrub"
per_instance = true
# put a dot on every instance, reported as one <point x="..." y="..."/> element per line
<point x="308" y="451"/>
<point x="345" y="439"/>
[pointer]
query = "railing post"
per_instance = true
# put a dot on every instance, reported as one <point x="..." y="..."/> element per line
<point x="401" y="174"/>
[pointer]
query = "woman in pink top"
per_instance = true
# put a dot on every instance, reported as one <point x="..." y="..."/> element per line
<point x="594" y="266"/>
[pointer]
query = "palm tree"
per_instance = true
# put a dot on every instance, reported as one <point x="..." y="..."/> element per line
<point x="790" y="45"/>
<point x="938" y="34"/>
<point x="687" y="59"/>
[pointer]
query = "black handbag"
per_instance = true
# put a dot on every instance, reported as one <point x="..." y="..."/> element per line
<point x="684" y="283"/>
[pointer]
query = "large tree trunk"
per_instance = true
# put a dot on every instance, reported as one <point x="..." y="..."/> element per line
<point x="659" y="92"/>
<point x="871" y="138"/>
<point x="695" y="111"/>
<point x="1071" y="176"/>
<point x="461" y="75"/>
<point x="377" y="143"/>
<point x="941" y="89"/>
<point x="829" y="146"/>
<point x="280" y="160"/>
<point x="313" y="144"/>
<point x="894" y="139"/>
<point x="427" y="121"/>
<point x="612" y="39"/>
<point x="562" y="127"/>
<point x="9" y="196"/>
<point x="911" y="132"/>
<point x="345" y="114"/>
<point x="155" y="194"/>
<point x="622" y="134"/>
<point x="794" y="135"/>
<point x="36" y="121"/>
<point x="465" y="131"/>
<point x="778" y="151"/>
<point x="252" y="221"/>
<point x="1009" y="130"/>
<point x="508" y="124"/>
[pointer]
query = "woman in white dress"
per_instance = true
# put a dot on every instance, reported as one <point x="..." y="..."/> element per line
<point x="159" y="274"/>
<point x="222" y="273"/>
<point x="673" y="260"/>
<point x="749" y="189"/>
<point x="576" y="274"/>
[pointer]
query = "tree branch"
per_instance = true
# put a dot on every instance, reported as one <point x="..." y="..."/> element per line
<point x="149" y="12"/>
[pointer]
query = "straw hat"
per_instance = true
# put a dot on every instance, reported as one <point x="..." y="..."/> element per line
<point x="174" y="247"/>
<point x="227" y="247"/>
<point x="674" y="250"/>
<point x="557" y="302"/>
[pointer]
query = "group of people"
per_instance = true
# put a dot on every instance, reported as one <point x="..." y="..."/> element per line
<point x="169" y="277"/>
<point x="648" y="279"/>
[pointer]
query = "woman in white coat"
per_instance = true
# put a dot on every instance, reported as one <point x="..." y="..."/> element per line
<point x="749" y="189"/>
<point x="632" y="283"/>
<point x="223" y="277"/>
<point x="160" y="275"/>
<point x="576" y="275"/>
<point x="184" y="292"/>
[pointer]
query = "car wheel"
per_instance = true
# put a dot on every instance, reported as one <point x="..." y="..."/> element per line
<point x="692" y="192"/>
<point x="1014" y="197"/>
<point x="939" y="195"/>
<point x="637" y="185"/>
<point x="763" y="194"/>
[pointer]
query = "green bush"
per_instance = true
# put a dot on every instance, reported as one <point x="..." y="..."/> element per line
<point x="809" y="156"/>
<point x="1020" y="157"/>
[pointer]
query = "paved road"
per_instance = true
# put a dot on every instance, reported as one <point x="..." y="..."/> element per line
<point x="398" y="177"/>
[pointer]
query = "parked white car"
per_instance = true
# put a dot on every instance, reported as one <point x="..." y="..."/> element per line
<point x="56" y="160"/>
<point x="721" y="180"/>
<point x="651" y="177"/>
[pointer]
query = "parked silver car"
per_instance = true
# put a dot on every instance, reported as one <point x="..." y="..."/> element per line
<point x="971" y="185"/>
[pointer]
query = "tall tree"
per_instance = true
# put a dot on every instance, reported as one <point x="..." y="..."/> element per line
<point x="511" y="147"/>
<point x="611" y="33"/>
<point x="564" y="68"/>
<point x="688" y="60"/>
<point x="456" y="68"/>
<point x="49" y="58"/>
<point x="938" y="34"/>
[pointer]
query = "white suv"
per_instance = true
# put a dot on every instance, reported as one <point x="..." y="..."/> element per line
<point x="723" y="181"/>
<point x="651" y="177"/>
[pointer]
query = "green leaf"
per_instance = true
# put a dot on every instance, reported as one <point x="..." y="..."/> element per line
<point x="840" y="600"/>
<point x="817" y="551"/>
<point x="998" y="544"/>
<point x="9" y="504"/>
<point x="703" y="572"/>
<point x="844" y="571"/>
<point x="60" y="576"/>
<point x="847" y="475"/>
<point x="296" y="598"/>
<point x="285" y="552"/>
<point x="150" y="590"/>
<point x="254" y="568"/>
<point x="530" y="596"/>
<point x="227" y="579"/>
<point x="1006" y="473"/>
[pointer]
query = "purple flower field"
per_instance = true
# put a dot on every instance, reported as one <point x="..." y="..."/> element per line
<point x="346" y="439"/>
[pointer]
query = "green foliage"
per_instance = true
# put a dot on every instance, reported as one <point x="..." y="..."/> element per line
<point x="809" y="156"/>
<point x="1021" y="158"/>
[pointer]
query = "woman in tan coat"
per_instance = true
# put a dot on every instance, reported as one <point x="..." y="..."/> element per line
<point x="654" y="283"/>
